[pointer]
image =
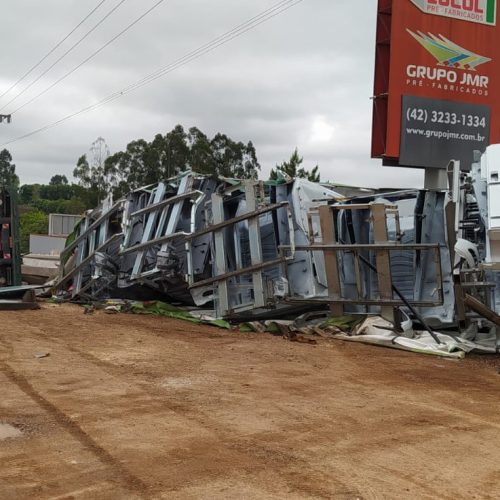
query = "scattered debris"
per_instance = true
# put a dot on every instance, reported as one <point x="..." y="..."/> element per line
<point x="251" y="250"/>
<point x="377" y="331"/>
<point x="38" y="269"/>
<point x="89" y="309"/>
<point x="293" y="337"/>
<point x="154" y="308"/>
<point x="112" y="309"/>
<point x="482" y="309"/>
<point x="13" y="298"/>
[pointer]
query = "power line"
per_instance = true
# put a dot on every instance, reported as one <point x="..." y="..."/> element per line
<point x="44" y="58"/>
<point x="65" y="54"/>
<point x="208" y="47"/>
<point x="212" y="45"/>
<point x="85" y="61"/>
<point x="236" y="32"/>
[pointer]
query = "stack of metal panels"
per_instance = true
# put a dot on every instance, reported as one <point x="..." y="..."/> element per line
<point x="252" y="249"/>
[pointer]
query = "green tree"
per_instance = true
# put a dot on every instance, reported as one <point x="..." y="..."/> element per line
<point x="92" y="173"/>
<point x="28" y="193"/>
<point x="8" y="176"/>
<point x="200" y="152"/>
<point x="32" y="222"/>
<point x="234" y="159"/>
<point x="74" y="206"/>
<point x="129" y="169"/>
<point x="293" y="169"/>
<point x="57" y="197"/>
<point x="56" y="191"/>
<point x="144" y="162"/>
<point x="59" y="180"/>
<point x="173" y="151"/>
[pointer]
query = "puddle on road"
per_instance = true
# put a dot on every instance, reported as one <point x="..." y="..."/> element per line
<point x="8" y="432"/>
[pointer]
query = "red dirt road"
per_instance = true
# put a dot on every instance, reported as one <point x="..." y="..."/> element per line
<point x="130" y="407"/>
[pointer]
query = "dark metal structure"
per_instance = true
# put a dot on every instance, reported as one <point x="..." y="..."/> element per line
<point x="13" y="296"/>
<point x="10" y="255"/>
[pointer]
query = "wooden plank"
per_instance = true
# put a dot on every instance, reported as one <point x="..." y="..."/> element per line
<point x="383" y="259"/>
<point x="480" y="308"/>
<point x="327" y="225"/>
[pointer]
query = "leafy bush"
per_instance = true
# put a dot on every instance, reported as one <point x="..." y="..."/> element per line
<point x="33" y="222"/>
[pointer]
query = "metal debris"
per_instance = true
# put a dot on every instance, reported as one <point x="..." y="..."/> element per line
<point x="14" y="298"/>
<point x="252" y="250"/>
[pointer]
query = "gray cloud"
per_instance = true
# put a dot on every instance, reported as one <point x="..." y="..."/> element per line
<point x="302" y="80"/>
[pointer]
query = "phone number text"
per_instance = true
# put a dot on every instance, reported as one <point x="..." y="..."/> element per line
<point x="445" y="118"/>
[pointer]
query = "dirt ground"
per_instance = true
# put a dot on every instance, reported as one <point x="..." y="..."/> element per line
<point x="132" y="407"/>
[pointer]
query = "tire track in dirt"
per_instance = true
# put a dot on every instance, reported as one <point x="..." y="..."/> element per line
<point x="294" y="468"/>
<point x="136" y="379"/>
<point x="318" y="462"/>
<point x="7" y="345"/>
<point x="296" y="481"/>
<point x="132" y="482"/>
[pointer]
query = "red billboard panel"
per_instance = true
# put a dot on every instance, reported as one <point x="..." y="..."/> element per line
<point x="437" y="81"/>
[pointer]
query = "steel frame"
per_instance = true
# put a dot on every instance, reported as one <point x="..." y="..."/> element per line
<point x="93" y="238"/>
<point x="221" y="276"/>
<point x="331" y="249"/>
<point x="379" y="248"/>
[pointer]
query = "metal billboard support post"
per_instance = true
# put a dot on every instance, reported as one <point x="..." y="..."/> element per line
<point x="436" y="179"/>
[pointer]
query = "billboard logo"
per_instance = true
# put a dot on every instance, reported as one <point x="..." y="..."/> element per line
<point x="450" y="57"/>
<point x="475" y="11"/>
<point x="448" y="53"/>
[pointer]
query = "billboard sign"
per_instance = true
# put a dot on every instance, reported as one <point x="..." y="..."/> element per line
<point x="443" y="63"/>
<point x="434" y="131"/>
<point x="475" y="11"/>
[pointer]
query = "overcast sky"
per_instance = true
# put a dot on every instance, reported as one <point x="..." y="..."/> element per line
<point x="302" y="79"/>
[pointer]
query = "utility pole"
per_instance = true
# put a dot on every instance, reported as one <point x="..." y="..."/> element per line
<point x="5" y="118"/>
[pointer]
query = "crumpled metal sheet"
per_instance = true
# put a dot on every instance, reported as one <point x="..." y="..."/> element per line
<point x="375" y="331"/>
